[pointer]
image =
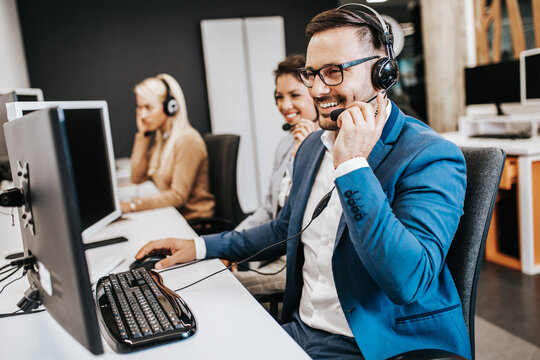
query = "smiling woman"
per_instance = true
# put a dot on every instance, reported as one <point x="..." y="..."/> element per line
<point x="296" y="106"/>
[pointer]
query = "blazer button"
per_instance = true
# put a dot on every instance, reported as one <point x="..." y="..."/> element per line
<point x="351" y="202"/>
<point x="358" y="217"/>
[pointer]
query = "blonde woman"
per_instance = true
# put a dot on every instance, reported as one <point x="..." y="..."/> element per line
<point x="176" y="160"/>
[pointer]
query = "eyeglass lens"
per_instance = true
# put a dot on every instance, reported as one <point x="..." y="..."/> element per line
<point x="331" y="75"/>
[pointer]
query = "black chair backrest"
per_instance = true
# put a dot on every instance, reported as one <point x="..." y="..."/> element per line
<point x="222" y="157"/>
<point x="484" y="170"/>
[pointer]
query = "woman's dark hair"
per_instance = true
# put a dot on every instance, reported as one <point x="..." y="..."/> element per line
<point x="290" y="65"/>
<point x="369" y="27"/>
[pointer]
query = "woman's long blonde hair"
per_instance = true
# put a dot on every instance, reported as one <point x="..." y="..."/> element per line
<point x="153" y="89"/>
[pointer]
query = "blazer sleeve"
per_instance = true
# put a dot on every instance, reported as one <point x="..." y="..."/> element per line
<point x="239" y="245"/>
<point x="403" y="243"/>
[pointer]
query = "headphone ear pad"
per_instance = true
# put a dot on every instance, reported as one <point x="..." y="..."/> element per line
<point x="385" y="73"/>
<point x="170" y="106"/>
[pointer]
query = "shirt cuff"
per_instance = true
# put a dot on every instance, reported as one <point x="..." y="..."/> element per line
<point x="200" y="248"/>
<point x="350" y="165"/>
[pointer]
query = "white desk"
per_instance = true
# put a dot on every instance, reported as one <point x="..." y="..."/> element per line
<point x="230" y="322"/>
<point x="527" y="152"/>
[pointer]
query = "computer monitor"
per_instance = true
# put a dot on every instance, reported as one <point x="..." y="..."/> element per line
<point x="90" y="144"/>
<point x="50" y="223"/>
<point x="529" y="63"/>
<point x="493" y="84"/>
<point x="25" y="94"/>
<point x="7" y="96"/>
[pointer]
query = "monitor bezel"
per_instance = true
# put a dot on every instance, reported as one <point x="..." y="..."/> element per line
<point x="523" y="76"/>
<point x="15" y="111"/>
<point x="24" y="91"/>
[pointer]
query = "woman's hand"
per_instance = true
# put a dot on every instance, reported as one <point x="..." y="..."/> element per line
<point x="125" y="207"/>
<point x="141" y="126"/>
<point x="301" y="130"/>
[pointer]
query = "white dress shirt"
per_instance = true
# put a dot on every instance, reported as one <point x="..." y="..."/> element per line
<point x="319" y="305"/>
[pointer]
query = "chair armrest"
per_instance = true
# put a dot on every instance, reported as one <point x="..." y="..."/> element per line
<point x="427" y="354"/>
<point x="211" y="225"/>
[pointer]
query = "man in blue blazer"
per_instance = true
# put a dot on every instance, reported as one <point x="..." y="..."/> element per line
<point x="367" y="276"/>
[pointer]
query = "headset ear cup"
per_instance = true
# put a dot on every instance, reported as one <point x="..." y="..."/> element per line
<point x="170" y="107"/>
<point x="385" y="73"/>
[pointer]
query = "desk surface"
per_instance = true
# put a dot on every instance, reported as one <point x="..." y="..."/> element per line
<point x="231" y="323"/>
<point x="511" y="147"/>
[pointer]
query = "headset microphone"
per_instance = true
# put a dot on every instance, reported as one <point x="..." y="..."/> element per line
<point x="335" y="113"/>
<point x="287" y="127"/>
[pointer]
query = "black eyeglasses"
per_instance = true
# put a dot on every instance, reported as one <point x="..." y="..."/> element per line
<point x="331" y="75"/>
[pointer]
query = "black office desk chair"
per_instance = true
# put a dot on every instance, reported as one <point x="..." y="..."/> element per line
<point x="484" y="170"/>
<point x="222" y="159"/>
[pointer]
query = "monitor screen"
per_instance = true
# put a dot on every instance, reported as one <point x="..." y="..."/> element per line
<point x="27" y="98"/>
<point x="90" y="144"/>
<point x="94" y="182"/>
<point x="50" y="222"/>
<point x="493" y="83"/>
<point x="530" y="76"/>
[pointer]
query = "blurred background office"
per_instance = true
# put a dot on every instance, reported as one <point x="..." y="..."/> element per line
<point x="223" y="54"/>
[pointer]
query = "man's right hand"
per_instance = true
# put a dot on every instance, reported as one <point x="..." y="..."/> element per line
<point x="179" y="251"/>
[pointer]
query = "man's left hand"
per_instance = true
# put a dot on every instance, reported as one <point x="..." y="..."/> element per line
<point x="360" y="129"/>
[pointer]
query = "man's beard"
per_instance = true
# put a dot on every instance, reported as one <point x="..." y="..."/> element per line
<point x="324" y="121"/>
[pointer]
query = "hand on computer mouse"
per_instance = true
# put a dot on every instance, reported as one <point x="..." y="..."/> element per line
<point x="180" y="251"/>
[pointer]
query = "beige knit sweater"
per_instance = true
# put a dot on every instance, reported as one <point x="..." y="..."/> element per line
<point x="182" y="177"/>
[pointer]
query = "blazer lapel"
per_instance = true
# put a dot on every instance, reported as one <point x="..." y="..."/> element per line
<point x="306" y="176"/>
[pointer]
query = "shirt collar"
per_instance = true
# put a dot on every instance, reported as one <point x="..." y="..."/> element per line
<point x="329" y="136"/>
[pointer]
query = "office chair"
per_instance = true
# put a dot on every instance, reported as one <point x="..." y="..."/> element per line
<point x="222" y="159"/>
<point x="484" y="170"/>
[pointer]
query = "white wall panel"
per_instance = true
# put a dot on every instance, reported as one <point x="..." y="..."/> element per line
<point x="240" y="56"/>
<point x="13" y="71"/>
<point x="266" y="48"/>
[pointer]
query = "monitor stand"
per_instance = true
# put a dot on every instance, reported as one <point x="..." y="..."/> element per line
<point x="104" y="242"/>
<point x="500" y="112"/>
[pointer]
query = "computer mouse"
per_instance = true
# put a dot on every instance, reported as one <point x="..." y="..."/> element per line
<point x="147" y="262"/>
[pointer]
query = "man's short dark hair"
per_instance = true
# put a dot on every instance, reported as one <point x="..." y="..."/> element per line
<point x="290" y="65"/>
<point x="369" y="27"/>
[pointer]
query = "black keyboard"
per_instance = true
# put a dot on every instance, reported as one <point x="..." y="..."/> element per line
<point x="136" y="310"/>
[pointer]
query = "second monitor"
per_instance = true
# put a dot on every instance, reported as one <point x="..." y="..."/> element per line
<point x="90" y="144"/>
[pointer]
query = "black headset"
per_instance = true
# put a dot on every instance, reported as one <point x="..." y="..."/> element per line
<point x="170" y="105"/>
<point x="385" y="72"/>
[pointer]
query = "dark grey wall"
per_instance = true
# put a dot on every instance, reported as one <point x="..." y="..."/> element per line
<point x="96" y="50"/>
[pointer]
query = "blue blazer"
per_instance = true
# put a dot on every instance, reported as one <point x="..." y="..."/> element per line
<point x="399" y="218"/>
